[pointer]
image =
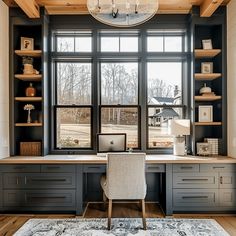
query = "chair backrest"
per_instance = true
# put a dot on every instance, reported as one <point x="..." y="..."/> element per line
<point x="126" y="176"/>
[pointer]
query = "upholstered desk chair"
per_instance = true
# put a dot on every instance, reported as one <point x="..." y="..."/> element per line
<point x="125" y="180"/>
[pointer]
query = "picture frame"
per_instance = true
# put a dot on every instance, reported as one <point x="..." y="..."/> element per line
<point x="205" y="113"/>
<point x="203" y="149"/>
<point x="207" y="67"/>
<point x="26" y="43"/>
<point x="207" y="44"/>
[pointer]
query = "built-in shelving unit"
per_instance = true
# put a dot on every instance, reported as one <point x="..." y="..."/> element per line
<point x="209" y="29"/>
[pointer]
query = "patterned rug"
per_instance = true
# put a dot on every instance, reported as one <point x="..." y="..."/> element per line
<point x="121" y="227"/>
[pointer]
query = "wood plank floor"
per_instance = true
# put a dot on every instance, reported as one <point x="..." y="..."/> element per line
<point x="10" y="223"/>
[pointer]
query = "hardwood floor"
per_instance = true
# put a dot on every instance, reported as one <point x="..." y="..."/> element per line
<point x="9" y="224"/>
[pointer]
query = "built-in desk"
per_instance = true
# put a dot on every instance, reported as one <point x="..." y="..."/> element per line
<point x="61" y="183"/>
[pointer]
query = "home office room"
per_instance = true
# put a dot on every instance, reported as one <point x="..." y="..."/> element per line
<point x="117" y="117"/>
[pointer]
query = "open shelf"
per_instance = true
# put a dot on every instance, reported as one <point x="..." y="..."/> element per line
<point x="29" y="53"/>
<point x="29" y="77"/>
<point x="28" y="99"/>
<point x="28" y="124"/>
<point x="206" y="53"/>
<point x="207" y="98"/>
<point x="212" y="76"/>
<point x="208" y="123"/>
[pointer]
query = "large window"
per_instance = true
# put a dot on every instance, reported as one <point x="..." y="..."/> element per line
<point x="117" y="86"/>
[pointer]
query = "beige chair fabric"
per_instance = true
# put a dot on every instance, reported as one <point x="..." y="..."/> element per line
<point x="125" y="180"/>
<point x="125" y="176"/>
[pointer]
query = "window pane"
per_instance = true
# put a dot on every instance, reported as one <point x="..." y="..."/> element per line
<point x="129" y="44"/>
<point x="119" y="83"/>
<point x="83" y="44"/>
<point x="110" y="44"/>
<point x="158" y="126"/>
<point x="65" y="44"/>
<point x="173" y="44"/>
<point x="155" y="44"/>
<point x="121" y="120"/>
<point x="73" y="128"/>
<point x="164" y="83"/>
<point x="73" y="83"/>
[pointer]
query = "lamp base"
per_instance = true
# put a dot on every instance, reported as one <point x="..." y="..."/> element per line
<point x="179" y="146"/>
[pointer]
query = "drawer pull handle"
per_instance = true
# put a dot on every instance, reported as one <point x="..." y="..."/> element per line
<point x="19" y="168"/>
<point x="42" y="180"/>
<point x="47" y="197"/>
<point x="194" y="197"/>
<point x="17" y="180"/>
<point x="94" y="167"/>
<point x="186" y="167"/>
<point x="153" y="167"/>
<point x="218" y="167"/>
<point x="194" y="179"/>
<point x="53" y="167"/>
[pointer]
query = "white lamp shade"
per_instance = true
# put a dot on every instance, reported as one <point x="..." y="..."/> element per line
<point x="179" y="127"/>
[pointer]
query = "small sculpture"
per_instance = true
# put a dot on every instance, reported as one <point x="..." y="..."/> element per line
<point x="28" y="66"/>
<point x="29" y="107"/>
<point x="205" y="89"/>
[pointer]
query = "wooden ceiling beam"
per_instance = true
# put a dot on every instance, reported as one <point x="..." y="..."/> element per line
<point x="67" y="10"/>
<point x="10" y="3"/>
<point x="30" y="7"/>
<point x="208" y="7"/>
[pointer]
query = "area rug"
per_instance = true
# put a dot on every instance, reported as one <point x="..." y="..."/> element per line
<point x="121" y="227"/>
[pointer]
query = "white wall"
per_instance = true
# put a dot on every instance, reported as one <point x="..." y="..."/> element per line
<point x="231" y="67"/>
<point x="4" y="80"/>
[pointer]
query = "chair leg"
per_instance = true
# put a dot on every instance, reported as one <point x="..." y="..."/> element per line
<point x="104" y="197"/>
<point x="143" y="214"/>
<point x="109" y="214"/>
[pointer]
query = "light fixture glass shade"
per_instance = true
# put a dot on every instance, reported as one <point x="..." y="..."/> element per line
<point x="179" y="127"/>
<point x="122" y="13"/>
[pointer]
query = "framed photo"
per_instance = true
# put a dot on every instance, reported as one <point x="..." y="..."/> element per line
<point x="205" y="113"/>
<point x="207" y="67"/>
<point x="203" y="149"/>
<point x="26" y="43"/>
<point x="207" y="44"/>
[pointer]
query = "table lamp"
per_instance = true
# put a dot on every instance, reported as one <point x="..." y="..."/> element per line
<point x="178" y="128"/>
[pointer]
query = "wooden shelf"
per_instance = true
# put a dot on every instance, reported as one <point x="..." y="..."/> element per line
<point x="28" y="77"/>
<point x="28" y="99"/>
<point x="208" y="123"/>
<point x="29" y="53"/>
<point x="207" y="98"/>
<point x="28" y="124"/>
<point x="203" y="53"/>
<point x="212" y="76"/>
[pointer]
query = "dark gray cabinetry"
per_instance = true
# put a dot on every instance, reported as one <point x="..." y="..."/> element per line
<point x="39" y="187"/>
<point x="208" y="187"/>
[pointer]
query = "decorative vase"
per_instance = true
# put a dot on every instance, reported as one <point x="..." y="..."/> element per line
<point x="30" y="91"/>
<point x="29" y="117"/>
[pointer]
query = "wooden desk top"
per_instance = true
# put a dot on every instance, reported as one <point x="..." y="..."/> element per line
<point x="94" y="159"/>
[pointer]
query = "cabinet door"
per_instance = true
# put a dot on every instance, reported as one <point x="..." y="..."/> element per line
<point x="155" y="168"/>
<point x="94" y="168"/>
<point x="227" y="197"/>
<point x="58" y="168"/>
<point x="227" y="180"/>
<point x="217" y="167"/>
<point x="20" y="168"/>
<point x="195" y="197"/>
<point x="38" y="180"/>
<point x="186" y="168"/>
<point x="195" y="180"/>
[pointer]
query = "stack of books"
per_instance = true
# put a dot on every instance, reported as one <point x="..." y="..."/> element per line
<point x="214" y="145"/>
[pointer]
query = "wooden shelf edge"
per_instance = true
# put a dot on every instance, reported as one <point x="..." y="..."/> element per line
<point x="206" y="98"/>
<point x="206" y="53"/>
<point x="32" y="53"/>
<point x="28" y="99"/>
<point x="28" y="77"/>
<point x="212" y="76"/>
<point x="29" y="124"/>
<point x="208" y="123"/>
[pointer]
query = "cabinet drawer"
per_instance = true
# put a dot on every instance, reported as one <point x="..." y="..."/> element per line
<point x="195" y="180"/>
<point x="217" y="167"/>
<point x="39" y="198"/>
<point x="155" y="168"/>
<point x="40" y="180"/>
<point x="186" y="168"/>
<point x="21" y="168"/>
<point x="58" y="168"/>
<point x="94" y="168"/>
<point x="227" y="180"/>
<point x="195" y="197"/>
